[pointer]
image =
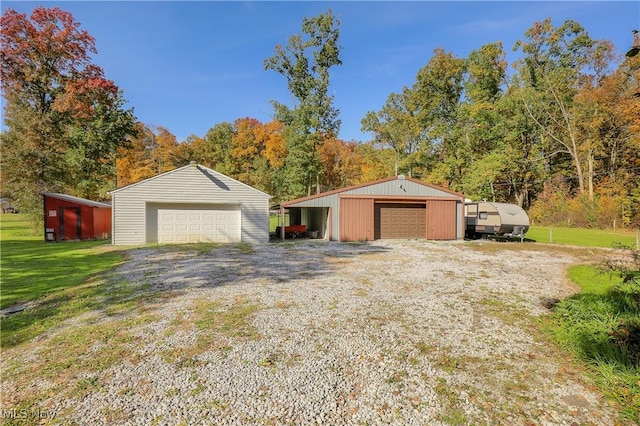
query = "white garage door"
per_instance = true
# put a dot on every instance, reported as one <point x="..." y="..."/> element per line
<point x="192" y="225"/>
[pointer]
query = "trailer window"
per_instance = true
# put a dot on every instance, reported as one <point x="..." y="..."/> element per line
<point x="483" y="215"/>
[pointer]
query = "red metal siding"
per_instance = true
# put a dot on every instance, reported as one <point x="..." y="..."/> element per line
<point x="441" y="220"/>
<point x="71" y="223"/>
<point x="356" y="219"/>
<point x="102" y="223"/>
<point x="74" y="221"/>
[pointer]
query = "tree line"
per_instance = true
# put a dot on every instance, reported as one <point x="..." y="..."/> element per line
<point x="557" y="131"/>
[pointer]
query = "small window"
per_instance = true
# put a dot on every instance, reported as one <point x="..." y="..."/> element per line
<point x="483" y="215"/>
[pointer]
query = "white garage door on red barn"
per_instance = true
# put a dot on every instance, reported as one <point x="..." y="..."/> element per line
<point x="193" y="225"/>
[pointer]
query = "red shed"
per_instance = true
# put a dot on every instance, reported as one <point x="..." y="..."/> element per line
<point x="73" y="218"/>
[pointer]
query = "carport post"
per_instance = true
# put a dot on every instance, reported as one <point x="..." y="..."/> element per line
<point x="282" y="222"/>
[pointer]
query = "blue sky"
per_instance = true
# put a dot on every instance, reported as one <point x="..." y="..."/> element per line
<point x="188" y="66"/>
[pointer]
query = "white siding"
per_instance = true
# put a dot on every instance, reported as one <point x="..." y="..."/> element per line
<point x="133" y="205"/>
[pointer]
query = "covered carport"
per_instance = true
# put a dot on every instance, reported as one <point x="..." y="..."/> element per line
<point x="310" y="222"/>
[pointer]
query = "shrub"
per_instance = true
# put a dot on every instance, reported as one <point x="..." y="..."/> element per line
<point x="556" y="206"/>
<point x="601" y="326"/>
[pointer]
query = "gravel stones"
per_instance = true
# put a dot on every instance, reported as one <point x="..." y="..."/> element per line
<point x="389" y="332"/>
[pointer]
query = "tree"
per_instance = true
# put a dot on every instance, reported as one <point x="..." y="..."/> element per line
<point x="557" y="61"/>
<point x="165" y="151"/>
<point x="246" y="148"/>
<point x="133" y="162"/>
<point x="305" y="63"/>
<point x="419" y="122"/>
<point x="635" y="48"/>
<point x="218" y="147"/>
<point x="271" y="160"/>
<point x="65" y="120"/>
<point x="524" y="157"/>
<point x="93" y="143"/>
<point x="479" y="147"/>
<point x="193" y="149"/>
<point x="340" y="164"/>
<point x="375" y="162"/>
<point x="151" y="152"/>
<point x="399" y="126"/>
<point x="439" y="86"/>
<point x="275" y="151"/>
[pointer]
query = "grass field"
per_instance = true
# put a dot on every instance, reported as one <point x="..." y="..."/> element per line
<point x="32" y="268"/>
<point x="582" y="237"/>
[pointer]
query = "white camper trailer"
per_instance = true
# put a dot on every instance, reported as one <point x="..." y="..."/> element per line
<point x="495" y="219"/>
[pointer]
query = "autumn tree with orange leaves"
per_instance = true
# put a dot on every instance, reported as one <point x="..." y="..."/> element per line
<point x="65" y="120"/>
<point x="152" y="151"/>
<point x="340" y="164"/>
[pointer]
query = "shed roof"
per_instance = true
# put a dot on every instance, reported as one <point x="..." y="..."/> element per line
<point x="363" y="185"/>
<point x="204" y="170"/>
<point x="76" y="200"/>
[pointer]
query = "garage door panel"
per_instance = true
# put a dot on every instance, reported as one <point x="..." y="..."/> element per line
<point x="400" y="221"/>
<point x="206" y="224"/>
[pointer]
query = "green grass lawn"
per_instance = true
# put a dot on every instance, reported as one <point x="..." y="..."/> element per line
<point x="591" y="280"/>
<point x="32" y="268"/>
<point x="275" y="221"/>
<point x="582" y="237"/>
<point x="601" y="327"/>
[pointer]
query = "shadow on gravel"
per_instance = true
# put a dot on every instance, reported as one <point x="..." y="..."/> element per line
<point x="154" y="274"/>
<point x="178" y="268"/>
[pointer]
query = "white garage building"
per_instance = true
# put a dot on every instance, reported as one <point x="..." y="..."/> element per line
<point x="189" y="204"/>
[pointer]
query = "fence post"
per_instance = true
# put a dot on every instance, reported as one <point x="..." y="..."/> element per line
<point x="637" y="239"/>
<point x="551" y="235"/>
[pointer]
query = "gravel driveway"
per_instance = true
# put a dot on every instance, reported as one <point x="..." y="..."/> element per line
<point x="390" y="332"/>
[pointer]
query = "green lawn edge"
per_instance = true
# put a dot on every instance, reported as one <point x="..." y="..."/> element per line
<point x="582" y="237"/>
<point x="590" y="326"/>
<point x="32" y="268"/>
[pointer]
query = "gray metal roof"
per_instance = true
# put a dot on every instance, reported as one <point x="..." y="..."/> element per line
<point x="76" y="200"/>
<point x="396" y="186"/>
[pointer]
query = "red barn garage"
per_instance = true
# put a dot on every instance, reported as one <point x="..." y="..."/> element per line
<point x="73" y="218"/>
